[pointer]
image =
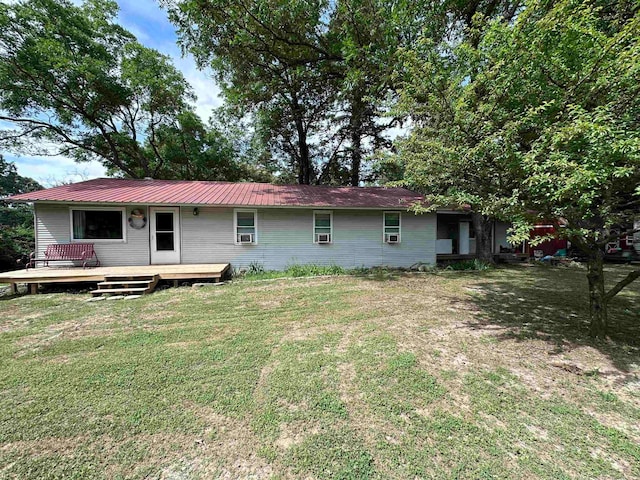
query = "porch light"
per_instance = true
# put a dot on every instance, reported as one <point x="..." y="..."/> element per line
<point x="196" y="212"/>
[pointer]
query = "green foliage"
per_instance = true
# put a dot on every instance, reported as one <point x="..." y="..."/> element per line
<point x="17" y="238"/>
<point x="311" y="270"/>
<point x="256" y="271"/>
<point x="534" y="118"/>
<point x="255" y="267"/>
<point x="76" y="83"/>
<point x="313" y="77"/>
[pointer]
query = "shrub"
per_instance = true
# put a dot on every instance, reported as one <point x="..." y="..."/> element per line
<point x="255" y="267"/>
<point x="312" y="270"/>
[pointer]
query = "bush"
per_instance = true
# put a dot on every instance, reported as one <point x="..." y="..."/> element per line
<point x="312" y="270"/>
<point x="256" y="271"/>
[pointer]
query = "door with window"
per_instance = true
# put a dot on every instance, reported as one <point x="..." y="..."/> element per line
<point x="165" y="235"/>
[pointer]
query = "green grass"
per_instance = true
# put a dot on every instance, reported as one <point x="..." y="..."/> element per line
<point x="383" y="375"/>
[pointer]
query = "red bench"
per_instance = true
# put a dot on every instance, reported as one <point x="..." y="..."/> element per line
<point x="68" y="252"/>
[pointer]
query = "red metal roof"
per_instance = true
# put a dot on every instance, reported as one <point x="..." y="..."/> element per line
<point x="176" y="192"/>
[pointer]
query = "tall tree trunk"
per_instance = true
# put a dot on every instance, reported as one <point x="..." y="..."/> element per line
<point x="355" y="130"/>
<point x="597" y="296"/>
<point x="304" y="161"/>
<point x="482" y="225"/>
<point x="356" y="158"/>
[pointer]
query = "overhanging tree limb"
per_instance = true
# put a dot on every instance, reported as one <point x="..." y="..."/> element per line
<point x="631" y="277"/>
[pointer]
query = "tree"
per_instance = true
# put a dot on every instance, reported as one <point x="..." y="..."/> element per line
<point x="16" y="221"/>
<point x="191" y="150"/>
<point x="76" y="83"/>
<point x="455" y="152"/>
<point x="575" y="97"/>
<point x="552" y="99"/>
<point x="266" y="55"/>
<point x="315" y="76"/>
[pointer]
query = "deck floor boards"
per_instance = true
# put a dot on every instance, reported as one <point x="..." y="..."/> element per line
<point x="98" y="274"/>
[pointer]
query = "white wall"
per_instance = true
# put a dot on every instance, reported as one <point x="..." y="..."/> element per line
<point x="53" y="225"/>
<point x="285" y="237"/>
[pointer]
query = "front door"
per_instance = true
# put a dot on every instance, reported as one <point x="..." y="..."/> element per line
<point x="165" y="235"/>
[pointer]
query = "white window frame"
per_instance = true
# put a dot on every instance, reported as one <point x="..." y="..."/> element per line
<point x="630" y="240"/>
<point x="123" y="213"/>
<point x="313" y="225"/>
<point x="235" y="225"/>
<point x="384" y="225"/>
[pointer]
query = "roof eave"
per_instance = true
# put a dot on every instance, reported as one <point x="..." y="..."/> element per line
<point x="200" y="205"/>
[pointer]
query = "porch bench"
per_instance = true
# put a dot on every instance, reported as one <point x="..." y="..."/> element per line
<point x="59" y="252"/>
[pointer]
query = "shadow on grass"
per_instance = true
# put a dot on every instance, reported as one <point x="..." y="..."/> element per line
<point x="552" y="304"/>
<point x="379" y="276"/>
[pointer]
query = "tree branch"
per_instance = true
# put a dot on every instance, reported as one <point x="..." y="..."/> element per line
<point x="623" y="283"/>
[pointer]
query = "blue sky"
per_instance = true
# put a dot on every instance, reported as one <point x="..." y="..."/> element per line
<point x="147" y="21"/>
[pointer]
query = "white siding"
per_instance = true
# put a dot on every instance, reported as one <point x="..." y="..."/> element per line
<point x="53" y="225"/>
<point x="285" y="237"/>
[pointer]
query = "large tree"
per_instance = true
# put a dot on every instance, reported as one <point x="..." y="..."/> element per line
<point x="315" y="76"/>
<point x="578" y="139"/>
<point x="557" y="129"/>
<point x="455" y="152"/>
<point x="266" y="56"/>
<point x="74" y="82"/>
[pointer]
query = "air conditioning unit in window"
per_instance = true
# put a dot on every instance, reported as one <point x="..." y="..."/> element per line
<point x="323" y="238"/>
<point x="245" y="238"/>
<point x="392" y="238"/>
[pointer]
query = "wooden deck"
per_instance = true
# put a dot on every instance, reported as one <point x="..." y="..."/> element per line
<point x="36" y="276"/>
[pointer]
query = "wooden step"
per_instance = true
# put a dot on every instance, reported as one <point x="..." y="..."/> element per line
<point x="122" y="291"/>
<point x="127" y="278"/>
<point x="127" y="285"/>
<point x="124" y="282"/>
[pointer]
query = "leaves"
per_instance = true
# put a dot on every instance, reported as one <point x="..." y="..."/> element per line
<point x="76" y="83"/>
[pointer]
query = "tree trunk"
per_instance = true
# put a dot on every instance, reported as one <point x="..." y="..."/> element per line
<point x="304" y="163"/>
<point x="482" y="227"/>
<point x="355" y="128"/>
<point x="356" y="158"/>
<point x="597" y="296"/>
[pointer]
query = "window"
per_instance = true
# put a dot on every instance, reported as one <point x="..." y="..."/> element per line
<point x="322" y="227"/>
<point x="246" y="227"/>
<point x="630" y="240"/>
<point x="98" y="224"/>
<point x="391" y="229"/>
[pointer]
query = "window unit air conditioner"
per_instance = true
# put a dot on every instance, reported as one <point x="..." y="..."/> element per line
<point x="392" y="238"/>
<point x="323" y="238"/>
<point x="245" y="238"/>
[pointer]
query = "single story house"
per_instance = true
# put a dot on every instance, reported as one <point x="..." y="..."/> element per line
<point x="146" y="222"/>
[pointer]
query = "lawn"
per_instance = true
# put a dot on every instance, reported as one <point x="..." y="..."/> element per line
<point x="450" y="375"/>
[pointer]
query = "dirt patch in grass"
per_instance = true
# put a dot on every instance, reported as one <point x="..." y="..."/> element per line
<point x="230" y="446"/>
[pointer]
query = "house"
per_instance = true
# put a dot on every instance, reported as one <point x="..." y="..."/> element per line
<point x="146" y="222"/>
